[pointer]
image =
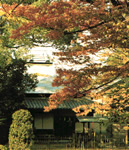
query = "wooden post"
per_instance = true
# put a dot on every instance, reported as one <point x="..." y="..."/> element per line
<point x="83" y="133"/>
<point x="94" y="139"/>
<point x="100" y="133"/>
<point x="74" y="139"/>
<point x="83" y="128"/>
<point x="126" y="138"/>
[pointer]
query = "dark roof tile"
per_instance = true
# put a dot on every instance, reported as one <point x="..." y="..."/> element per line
<point x="40" y="102"/>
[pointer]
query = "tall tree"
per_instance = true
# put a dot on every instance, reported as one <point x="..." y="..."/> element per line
<point x="14" y="78"/>
<point x="83" y="30"/>
<point x="15" y="81"/>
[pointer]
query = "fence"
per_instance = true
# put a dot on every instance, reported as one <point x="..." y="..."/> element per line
<point x="79" y="141"/>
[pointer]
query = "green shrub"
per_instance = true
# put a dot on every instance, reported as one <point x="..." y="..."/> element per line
<point x="21" y="130"/>
<point x="2" y="147"/>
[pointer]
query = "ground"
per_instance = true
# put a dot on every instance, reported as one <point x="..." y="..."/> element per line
<point x="65" y="147"/>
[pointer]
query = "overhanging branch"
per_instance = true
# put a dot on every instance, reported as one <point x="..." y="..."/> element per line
<point x="16" y="6"/>
<point x="108" y="82"/>
<point x="11" y="10"/>
<point x="87" y="28"/>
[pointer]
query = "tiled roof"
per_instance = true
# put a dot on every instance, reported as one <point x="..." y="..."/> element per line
<point x="40" y="102"/>
<point x="91" y="119"/>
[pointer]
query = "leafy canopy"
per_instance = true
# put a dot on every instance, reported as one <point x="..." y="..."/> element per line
<point x="92" y="35"/>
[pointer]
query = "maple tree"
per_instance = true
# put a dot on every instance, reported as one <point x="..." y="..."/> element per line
<point x="83" y="31"/>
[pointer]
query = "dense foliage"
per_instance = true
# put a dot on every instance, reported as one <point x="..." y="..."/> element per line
<point x="3" y="147"/>
<point x="17" y="1"/>
<point x="21" y="130"/>
<point x="93" y="37"/>
<point x="14" y="82"/>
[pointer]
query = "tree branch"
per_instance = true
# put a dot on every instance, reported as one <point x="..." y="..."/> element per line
<point x="104" y="84"/>
<point x="16" y="6"/>
<point x="11" y="11"/>
<point x="90" y="27"/>
<point x="3" y="6"/>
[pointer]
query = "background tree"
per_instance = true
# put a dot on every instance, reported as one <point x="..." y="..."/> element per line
<point x="14" y="83"/>
<point x="82" y="30"/>
<point x="14" y="78"/>
<point x="21" y="130"/>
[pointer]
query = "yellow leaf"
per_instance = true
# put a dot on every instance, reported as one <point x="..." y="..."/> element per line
<point x="126" y="128"/>
<point x="2" y="13"/>
<point x="128" y="26"/>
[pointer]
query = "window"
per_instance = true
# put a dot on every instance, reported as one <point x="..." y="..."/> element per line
<point x="43" y="121"/>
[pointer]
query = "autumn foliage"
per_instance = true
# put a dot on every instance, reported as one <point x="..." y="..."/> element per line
<point x="93" y="37"/>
